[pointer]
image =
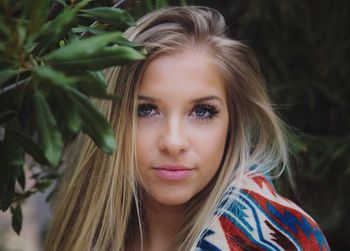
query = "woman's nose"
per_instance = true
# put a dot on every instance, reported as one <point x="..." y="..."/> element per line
<point x="174" y="137"/>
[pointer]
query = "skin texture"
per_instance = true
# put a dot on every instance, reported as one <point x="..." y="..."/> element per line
<point x="176" y="127"/>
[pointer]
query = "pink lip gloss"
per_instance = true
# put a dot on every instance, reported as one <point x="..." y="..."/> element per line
<point x="173" y="172"/>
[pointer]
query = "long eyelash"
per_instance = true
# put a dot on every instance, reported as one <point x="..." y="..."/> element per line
<point x="211" y="108"/>
<point x="153" y="106"/>
<point x="148" y="104"/>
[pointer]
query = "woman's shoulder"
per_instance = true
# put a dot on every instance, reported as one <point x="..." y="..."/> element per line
<point x="261" y="219"/>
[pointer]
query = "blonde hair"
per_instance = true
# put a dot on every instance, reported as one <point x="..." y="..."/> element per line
<point x="96" y="206"/>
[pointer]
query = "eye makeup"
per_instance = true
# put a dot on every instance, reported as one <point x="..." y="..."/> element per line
<point x="146" y="110"/>
<point x="204" y="111"/>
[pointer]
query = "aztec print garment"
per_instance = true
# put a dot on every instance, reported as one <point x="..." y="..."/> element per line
<point x="260" y="219"/>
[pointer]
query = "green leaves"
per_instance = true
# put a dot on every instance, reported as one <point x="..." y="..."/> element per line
<point x="50" y="136"/>
<point x="11" y="159"/>
<point x="72" y="118"/>
<point x="56" y="77"/>
<point x="7" y="74"/>
<point x="95" y="53"/>
<point x="36" y="11"/>
<point x="81" y="29"/>
<point x="95" y="124"/>
<point x="51" y="63"/>
<point x="17" y="218"/>
<point x="28" y="145"/>
<point x="4" y="30"/>
<point x="52" y="31"/>
<point x="92" y="83"/>
<point x="84" y="114"/>
<point x="55" y="29"/>
<point x="119" y="19"/>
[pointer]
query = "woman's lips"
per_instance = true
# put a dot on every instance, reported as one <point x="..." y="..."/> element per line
<point x="173" y="172"/>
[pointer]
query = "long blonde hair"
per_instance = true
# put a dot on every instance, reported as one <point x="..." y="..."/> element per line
<point x="99" y="205"/>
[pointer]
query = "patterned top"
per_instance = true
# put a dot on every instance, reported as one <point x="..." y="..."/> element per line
<point x="260" y="219"/>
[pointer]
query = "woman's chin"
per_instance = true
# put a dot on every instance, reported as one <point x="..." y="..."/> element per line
<point x="171" y="199"/>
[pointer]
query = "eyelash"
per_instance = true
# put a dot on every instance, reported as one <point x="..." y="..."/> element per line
<point x="209" y="108"/>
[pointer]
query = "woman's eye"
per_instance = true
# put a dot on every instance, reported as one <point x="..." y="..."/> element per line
<point x="205" y="111"/>
<point x="201" y="111"/>
<point x="146" y="110"/>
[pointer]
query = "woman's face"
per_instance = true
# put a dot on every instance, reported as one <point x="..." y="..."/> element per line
<point x="182" y="126"/>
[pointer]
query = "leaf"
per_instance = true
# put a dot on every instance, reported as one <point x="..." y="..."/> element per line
<point x="51" y="194"/>
<point x="62" y="2"/>
<point x="25" y="195"/>
<point x="94" y="53"/>
<point x="59" y="79"/>
<point x="10" y="139"/>
<point x="3" y="47"/>
<point x="42" y="185"/>
<point x="21" y="178"/>
<point x="36" y="12"/>
<point x="52" y="31"/>
<point x="100" y="131"/>
<point x="83" y="47"/>
<point x="17" y="218"/>
<point x="82" y="4"/>
<point x="70" y="113"/>
<point x="7" y="74"/>
<point x="29" y="45"/>
<point x="21" y="31"/>
<point x="97" y="126"/>
<point x="125" y="42"/>
<point x="71" y="37"/>
<point x="160" y="4"/>
<point x="73" y="119"/>
<point x="90" y="119"/>
<point x="118" y="18"/>
<point x="12" y="160"/>
<point x="48" y="130"/>
<point x="92" y="83"/>
<point x="29" y="146"/>
<point x="81" y="29"/>
<point x="48" y="74"/>
<point x="11" y="102"/>
<point x="4" y="29"/>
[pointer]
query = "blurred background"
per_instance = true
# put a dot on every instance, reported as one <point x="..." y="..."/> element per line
<point x="304" y="50"/>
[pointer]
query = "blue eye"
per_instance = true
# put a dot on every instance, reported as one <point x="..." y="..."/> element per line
<point x="201" y="111"/>
<point x="205" y="111"/>
<point x="146" y="110"/>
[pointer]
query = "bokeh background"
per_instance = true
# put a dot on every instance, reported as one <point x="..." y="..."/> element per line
<point x="304" y="48"/>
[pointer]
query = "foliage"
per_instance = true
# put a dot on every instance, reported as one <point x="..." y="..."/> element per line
<point x="51" y="63"/>
<point x="140" y="8"/>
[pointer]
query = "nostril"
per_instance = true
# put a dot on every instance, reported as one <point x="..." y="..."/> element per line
<point x="173" y="143"/>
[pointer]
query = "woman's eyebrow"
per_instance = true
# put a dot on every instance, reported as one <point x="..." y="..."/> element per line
<point x="194" y="101"/>
<point x="146" y="98"/>
<point x="207" y="98"/>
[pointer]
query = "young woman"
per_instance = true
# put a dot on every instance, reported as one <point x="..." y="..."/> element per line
<point x="197" y="143"/>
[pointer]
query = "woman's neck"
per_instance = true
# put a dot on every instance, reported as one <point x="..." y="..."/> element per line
<point x="163" y="224"/>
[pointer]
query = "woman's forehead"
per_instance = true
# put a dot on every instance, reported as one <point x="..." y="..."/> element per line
<point x="186" y="73"/>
